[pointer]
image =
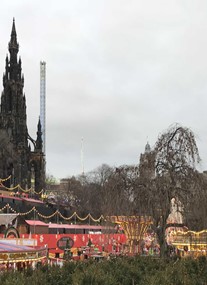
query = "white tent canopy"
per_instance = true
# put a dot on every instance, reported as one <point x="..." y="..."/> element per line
<point x="6" y="219"/>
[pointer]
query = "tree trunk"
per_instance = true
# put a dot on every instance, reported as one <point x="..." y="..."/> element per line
<point x="162" y="242"/>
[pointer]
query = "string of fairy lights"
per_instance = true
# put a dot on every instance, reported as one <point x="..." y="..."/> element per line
<point x="57" y="212"/>
<point x="33" y="209"/>
<point x="18" y="186"/>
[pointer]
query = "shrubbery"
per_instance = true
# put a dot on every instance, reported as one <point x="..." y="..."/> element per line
<point x="119" y="271"/>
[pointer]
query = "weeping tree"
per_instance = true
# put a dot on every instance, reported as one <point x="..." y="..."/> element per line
<point x="118" y="195"/>
<point x="120" y="207"/>
<point x="196" y="208"/>
<point x="174" y="175"/>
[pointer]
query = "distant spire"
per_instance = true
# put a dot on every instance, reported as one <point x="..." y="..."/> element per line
<point x="39" y="127"/>
<point x="13" y="45"/>
<point x="39" y="136"/>
<point x="13" y="33"/>
<point x="147" y="148"/>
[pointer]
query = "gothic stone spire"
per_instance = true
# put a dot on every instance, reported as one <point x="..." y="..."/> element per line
<point x="13" y="45"/>
<point x="39" y="136"/>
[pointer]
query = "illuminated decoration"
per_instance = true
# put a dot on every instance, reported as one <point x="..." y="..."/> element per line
<point x="46" y="217"/>
<point x="23" y="255"/>
<point x="24" y="190"/>
<point x="67" y="218"/>
<point x="26" y="213"/>
<point x="134" y="227"/>
<point x="38" y="193"/>
<point x="195" y="243"/>
<point x="5" y="179"/>
<point x="8" y="207"/>
<point x="33" y="209"/>
<point x="31" y="190"/>
<point x="18" y="186"/>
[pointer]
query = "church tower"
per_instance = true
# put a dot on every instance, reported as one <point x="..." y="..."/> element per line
<point x="147" y="163"/>
<point x="17" y="158"/>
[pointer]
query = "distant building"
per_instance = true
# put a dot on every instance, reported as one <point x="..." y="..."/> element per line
<point x="147" y="170"/>
<point x="18" y="159"/>
<point x="147" y="163"/>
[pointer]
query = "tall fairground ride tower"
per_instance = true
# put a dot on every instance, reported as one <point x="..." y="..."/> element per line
<point x="43" y="102"/>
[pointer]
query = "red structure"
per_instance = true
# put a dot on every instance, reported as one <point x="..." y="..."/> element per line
<point x="102" y="238"/>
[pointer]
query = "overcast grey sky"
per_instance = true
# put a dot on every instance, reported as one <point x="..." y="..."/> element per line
<point x="119" y="72"/>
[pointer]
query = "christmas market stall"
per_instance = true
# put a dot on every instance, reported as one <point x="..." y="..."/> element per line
<point x="190" y="243"/>
<point x="14" y="256"/>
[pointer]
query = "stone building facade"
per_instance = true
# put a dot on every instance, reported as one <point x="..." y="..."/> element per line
<point x="21" y="157"/>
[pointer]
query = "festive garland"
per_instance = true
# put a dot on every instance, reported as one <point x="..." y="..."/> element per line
<point x="5" y="179"/>
<point x="67" y="218"/>
<point x="20" y="188"/>
<point x="37" y="192"/>
<point x="33" y="209"/>
<point x="47" y="217"/>
<point x="26" y="213"/>
<point x="96" y="220"/>
<point x="11" y="188"/>
<point x="24" y="190"/>
<point x="8" y="207"/>
<point x="190" y="232"/>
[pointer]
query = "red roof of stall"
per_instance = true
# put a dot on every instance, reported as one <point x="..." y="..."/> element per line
<point x="36" y="223"/>
<point x="11" y="197"/>
<point x="32" y="200"/>
<point x="62" y="226"/>
<point x="67" y="226"/>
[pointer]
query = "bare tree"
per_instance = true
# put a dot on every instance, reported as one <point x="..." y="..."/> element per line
<point x="100" y="175"/>
<point x="68" y="189"/>
<point x="118" y="195"/>
<point x="90" y="196"/>
<point x="196" y="208"/>
<point x="121" y="205"/>
<point x="175" y="176"/>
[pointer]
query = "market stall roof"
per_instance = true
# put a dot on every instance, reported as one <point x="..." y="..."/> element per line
<point x="62" y="226"/>
<point x="11" y="197"/>
<point x="6" y="219"/>
<point x="67" y="226"/>
<point x="10" y="253"/>
<point x="6" y="247"/>
<point x="36" y="223"/>
<point x="32" y="200"/>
